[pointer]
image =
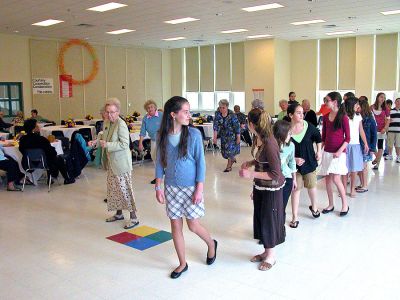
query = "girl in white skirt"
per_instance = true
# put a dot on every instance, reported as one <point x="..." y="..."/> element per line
<point x="354" y="151"/>
<point x="335" y="138"/>
<point x="180" y="158"/>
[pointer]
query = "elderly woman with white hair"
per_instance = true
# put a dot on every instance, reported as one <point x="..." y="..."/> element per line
<point x="257" y="103"/>
<point x="117" y="160"/>
<point x="227" y="127"/>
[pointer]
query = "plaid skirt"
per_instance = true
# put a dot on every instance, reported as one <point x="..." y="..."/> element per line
<point x="180" y="203"/>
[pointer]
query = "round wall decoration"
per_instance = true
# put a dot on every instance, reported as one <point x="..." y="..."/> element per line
<point x="92" y="52"/>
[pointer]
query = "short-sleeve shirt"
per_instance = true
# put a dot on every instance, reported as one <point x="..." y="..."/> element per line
<point x="380" y="117"/>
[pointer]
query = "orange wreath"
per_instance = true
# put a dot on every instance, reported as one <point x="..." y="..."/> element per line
<point x="92" y="52"/>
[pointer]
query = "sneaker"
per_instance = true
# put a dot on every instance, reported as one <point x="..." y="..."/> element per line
<point x="398" y="159"/>
<point x="388" y="157"/>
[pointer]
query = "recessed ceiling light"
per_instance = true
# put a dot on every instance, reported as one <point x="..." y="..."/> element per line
<point x="120" y="31"/>
<point x="308" y="22"/>
<point x="259" y="36"/>
<point x="174" y="39"/>
<point x="391" y="12"/>
<point x="340" y="32"/>
<point x="48" y="22"/>
<point x="106" y="7"/>
<point x="262" y="7"/>
<point x="234" y="31"/>
<point x="182" y="20"/>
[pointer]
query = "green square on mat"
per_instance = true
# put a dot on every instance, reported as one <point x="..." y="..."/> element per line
<point x="160" y="236"/>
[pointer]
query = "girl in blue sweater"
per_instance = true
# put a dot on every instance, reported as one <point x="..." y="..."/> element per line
<point x="180" y="161"/>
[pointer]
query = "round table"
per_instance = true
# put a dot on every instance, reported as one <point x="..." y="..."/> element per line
<point x="208" y="129"/>
<point x="15" y="154"/>
<point x="88" y="122"/>
<point x="46" y="131"/>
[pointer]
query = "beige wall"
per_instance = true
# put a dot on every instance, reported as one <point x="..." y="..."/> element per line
<point x="364" y="65"/>
<point x="259" y="71"/>
<point x="303" y="55"/>
<point x="282" y="72"/>
<point x="15" y="64"/>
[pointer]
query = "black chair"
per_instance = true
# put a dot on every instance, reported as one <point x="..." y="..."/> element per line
<point x="64" y="144"/>
<point x="50" y="124"/>
<point x="99" y="126"/>
<point x="58" y="133"/>
<point x="63" y="122"/>
<point x="207" y="143"/>
<point x="35" y="159"/>
<point x="79" y="123"/>
<point x="86" y="134"/>
<point x="18" y="129"/>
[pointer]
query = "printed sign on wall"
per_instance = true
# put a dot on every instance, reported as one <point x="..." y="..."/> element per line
<point x="65" y="86"/>
<point x="42" y="85"/>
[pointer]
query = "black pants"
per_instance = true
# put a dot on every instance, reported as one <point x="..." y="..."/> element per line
<point x="58" y="165"/>
<point x="11" y="167"/>
<point x="287" y="190"/>
<point x="245" y="136"/>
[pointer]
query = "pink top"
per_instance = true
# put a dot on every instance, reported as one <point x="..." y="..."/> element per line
<point x="380" y="117"/>
<point x="334" y="139"/>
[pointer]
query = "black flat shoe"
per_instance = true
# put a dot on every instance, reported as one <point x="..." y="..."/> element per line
<point x="228" y="170"/>
<point x="105" y="200"/>
<point x="175" y="275"/>
<point x="343" y="213"/>
<point x="315" y="214"/>
<point x="153" y="181"/>
<point x="211" y="260"/>
<point x="327" y="211"/>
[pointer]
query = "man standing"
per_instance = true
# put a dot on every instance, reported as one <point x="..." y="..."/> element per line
<point x="150" y="125"/>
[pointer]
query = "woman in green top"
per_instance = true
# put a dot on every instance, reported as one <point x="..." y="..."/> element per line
<point x="304" y="135"/>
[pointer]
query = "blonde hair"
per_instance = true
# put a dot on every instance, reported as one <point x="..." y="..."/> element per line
<point x="113" y="101"/>
<point x="149" y="102"/>
<point x="262" y="123"/>
<point x="283" y="101"/>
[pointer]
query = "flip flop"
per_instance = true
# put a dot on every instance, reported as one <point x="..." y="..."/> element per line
<point x="316" y="213"/>
<point x="361" y="190"/>
<point x="265" y="266"/>
<point x="257" y="258"/>
<point x="294" y="224"/>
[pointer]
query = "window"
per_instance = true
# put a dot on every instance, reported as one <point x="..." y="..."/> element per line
<point x="239" y="99"/>
<point x="223" y="95"/>
<point x="10" y="98"/>
<point x="207" y="101"/>
<point x="193" y="99"/>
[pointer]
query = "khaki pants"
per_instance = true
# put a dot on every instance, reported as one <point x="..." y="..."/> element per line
<point x="153" y="152"/>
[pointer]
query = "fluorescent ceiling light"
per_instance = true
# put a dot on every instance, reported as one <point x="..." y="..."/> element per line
<point x="258" y="36"/>
<point x="106" y="7"/>
<point x="120" y="31"/>
<point x="182" y="20"/>
<point x="339" y="32"/>
<point x="48" y="22"/>
<point x="308" y="22"/>
<point x="391" y="12"/>
<point x="174" y="39"/>
<point x="262" y="7"/>
<point x="234" y="31"/>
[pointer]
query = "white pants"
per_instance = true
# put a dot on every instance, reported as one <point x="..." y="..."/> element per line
<point x="153" y="152"/>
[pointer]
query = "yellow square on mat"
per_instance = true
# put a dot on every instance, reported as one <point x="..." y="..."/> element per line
<point x="143" y="230"/>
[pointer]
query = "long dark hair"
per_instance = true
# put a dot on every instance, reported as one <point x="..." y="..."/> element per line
<point x="337" y="123"/>
<point x="376" y="104"/>
<point x="167" y="126"/>
<point x="349" y="106"/>
<point x="281" y="130"/>
<point x="365" y="109"/>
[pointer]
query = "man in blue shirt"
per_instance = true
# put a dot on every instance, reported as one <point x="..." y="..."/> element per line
<point x="150" y="125"/>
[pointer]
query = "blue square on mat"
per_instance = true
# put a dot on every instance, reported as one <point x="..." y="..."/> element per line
<point x="161" y="236"/>
<point x="142" y="243"/>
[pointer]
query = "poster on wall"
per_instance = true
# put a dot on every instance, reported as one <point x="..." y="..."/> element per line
<point x="65" y="86"/>
<point x="42" y="86"/>
<point x="258" y="94"/>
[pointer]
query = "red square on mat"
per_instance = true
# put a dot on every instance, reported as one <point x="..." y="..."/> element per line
<point x="123" y="237"/>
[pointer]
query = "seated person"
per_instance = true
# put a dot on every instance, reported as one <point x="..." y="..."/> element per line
<point x="283" y="104"/>
<point x="309" y="115"/>
<point x="33" y="140"/>
<point x="19" y="119"/>
<point x="13" y="174"/>
<point x="4" y="125"/>
<point x="40" y="119"/>
<point x="244" y="132"/>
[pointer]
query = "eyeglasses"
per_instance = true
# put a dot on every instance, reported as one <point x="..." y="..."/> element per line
<point x="111" y="112"/>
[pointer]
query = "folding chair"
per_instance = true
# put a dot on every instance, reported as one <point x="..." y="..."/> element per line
<point x="34" y="159"/>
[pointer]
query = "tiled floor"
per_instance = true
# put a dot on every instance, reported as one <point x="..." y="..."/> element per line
<point x="53" y="245"/>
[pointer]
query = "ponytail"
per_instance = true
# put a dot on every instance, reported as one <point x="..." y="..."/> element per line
<point x="262" y="123"/>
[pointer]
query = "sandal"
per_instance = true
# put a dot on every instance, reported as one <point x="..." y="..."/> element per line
<point x="131" y="223"/>
<point x="361" y="190"/>
<point x="228" y="170"/>
<point x="316" y="213"/>
<point x="257" y="258"/>
<point x="115" y="218"/>
<point x="294" y="224"/>
<point x="374" y="162"/>
<point x="265" y="266"/>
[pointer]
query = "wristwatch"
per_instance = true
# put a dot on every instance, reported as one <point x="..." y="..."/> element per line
<point x="157" y="188"/>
